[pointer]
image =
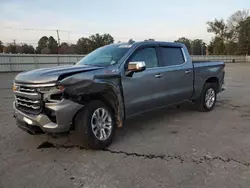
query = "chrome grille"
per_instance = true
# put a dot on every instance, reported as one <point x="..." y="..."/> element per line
<point x="27" y="99"/>
<point x="28" y="90"/>
<point x="33" y="104"/>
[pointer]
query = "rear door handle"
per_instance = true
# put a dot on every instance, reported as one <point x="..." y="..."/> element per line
<point x="187" y="71"/>
<point x="158" y="75"/>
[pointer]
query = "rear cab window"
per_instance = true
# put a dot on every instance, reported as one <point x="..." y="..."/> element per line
<point x="171" y="56"/>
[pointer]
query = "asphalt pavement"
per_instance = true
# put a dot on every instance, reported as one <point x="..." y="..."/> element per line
<point x="174" y="147"/>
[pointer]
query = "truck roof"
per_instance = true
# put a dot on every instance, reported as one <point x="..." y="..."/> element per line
<point x="172" y="44"/>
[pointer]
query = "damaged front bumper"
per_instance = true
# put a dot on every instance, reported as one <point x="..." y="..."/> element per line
<point x="60" y="120"/>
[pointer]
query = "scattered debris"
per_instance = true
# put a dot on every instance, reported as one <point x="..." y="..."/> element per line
<point x="46" y="145"/>
<point x="174" y="132"/>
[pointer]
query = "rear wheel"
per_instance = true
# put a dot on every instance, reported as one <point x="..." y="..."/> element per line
<point x="94" y="126"/>
<point x="208" y="97"/>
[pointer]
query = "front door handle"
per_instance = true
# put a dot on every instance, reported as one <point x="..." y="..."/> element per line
<point x="187" y="71"/>
<point x="158" y="75"/>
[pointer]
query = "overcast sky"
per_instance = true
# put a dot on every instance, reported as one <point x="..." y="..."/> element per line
<point x="124" y="19"/>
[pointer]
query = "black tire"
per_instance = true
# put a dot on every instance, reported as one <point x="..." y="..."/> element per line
<point x="83" y="133"/>
<point x="201" y="102"/>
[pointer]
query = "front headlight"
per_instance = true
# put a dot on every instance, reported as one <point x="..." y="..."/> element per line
<point x="52" y="94"/>
<point x="14" y="87"/>
<point x="53" y="89"/>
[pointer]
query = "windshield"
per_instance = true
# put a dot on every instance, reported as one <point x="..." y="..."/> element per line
<point x="105" y="56"/>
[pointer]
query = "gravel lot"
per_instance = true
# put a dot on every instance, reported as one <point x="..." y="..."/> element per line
<point x="177" y="147"/>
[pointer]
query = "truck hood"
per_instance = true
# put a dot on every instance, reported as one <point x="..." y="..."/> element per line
<point x="51" y="75"/>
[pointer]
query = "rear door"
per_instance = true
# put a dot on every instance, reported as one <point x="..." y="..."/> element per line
<point x="176" y="72"/>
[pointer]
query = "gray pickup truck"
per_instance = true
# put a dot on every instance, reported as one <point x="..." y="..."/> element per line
<point x="94" y="96"/>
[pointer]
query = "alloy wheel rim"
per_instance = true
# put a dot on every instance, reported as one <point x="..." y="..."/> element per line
<point x="101" y="123"/>
<point x="210" y="97"/>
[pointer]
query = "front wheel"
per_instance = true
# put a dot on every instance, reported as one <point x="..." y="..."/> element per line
<point x="208" y="97"/>
<point x="94" y="126"/>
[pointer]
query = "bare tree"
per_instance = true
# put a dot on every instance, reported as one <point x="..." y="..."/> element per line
<point x="233" y="23"/>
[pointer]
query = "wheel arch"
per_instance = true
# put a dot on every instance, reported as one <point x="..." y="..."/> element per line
<point x="110" y="98"/>
<point x="214" y="80"/>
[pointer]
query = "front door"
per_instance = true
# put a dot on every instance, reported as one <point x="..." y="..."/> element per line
<point x="138" y="89"/>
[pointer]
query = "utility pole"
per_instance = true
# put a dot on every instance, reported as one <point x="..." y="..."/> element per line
<point x="58" y="41"/>
<point x="192" y="50"/>
<point x="14" y="44"/>
<point x="58" y="38"/>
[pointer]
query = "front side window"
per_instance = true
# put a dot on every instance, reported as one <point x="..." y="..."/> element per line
<point x="148" y="55"/>
<point x="171" y="56"/>
<point x="105" y="56"/>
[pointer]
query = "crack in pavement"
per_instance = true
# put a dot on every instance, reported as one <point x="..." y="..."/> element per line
<point x="205" y="158"/>
<point x="146" y="156"/>
<point x="243" y="110"/>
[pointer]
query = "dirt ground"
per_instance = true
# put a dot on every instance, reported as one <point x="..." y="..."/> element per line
<point x="176" y="147"/>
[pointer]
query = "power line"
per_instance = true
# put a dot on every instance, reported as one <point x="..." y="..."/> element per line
<point x="33" y="29"/>
<point x="80" y="33"/>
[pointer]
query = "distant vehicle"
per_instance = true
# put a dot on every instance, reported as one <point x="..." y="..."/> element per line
<point x="94" y="96"/>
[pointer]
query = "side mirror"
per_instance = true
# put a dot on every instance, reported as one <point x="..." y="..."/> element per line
<point x="137" y="66"/>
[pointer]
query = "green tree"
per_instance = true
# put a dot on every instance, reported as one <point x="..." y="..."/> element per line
<point x="244" y="37"/>
<point x="149" y="39"/>
<point x="25" y="49"/>
<point x="131" y="41"/>
<point x="219" y="28"/>
<point x="98" y="40"/>
<point x="231" y="48"/>
<point x="45" y="50"/>
<point x="65" y="48"/>
<point x="10" y="48"/>
<point x="221" y="31"/>
<point x="45" y="42"/>
<point x="231" y="37"/>
<point x="52" y="45"/>
<point x="72" y="49"/>
<point x="84" y="45"/>
<point x="185" y="41"/>
<point x="28" y="49"/>
<point x="198" y="47"/>
<point x="216" y="46"/>
<point x="19" y="49"/>
<point x="1" y="46"/>
<point x="42" y="43"/>
<point x="233" y="23"/>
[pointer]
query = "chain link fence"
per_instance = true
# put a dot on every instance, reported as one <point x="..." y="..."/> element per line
<point x="224" y="58"/>
<point x="24" y="62"/>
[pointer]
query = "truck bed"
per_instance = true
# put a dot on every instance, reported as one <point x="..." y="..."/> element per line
<point x="204" y="70"/>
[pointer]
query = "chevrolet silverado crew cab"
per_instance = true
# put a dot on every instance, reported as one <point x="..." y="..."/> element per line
<point x="95" y="95"/>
